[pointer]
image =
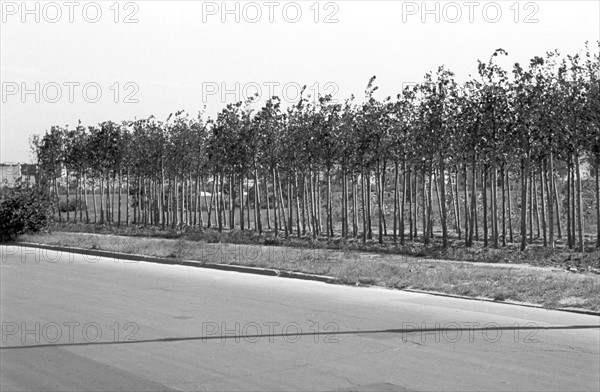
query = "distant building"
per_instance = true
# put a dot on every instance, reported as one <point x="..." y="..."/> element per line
<point x="10" y="173"/>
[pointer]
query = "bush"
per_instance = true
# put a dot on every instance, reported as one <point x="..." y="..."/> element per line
<point x="81" y="206"/>
<point x="23" y="209"/>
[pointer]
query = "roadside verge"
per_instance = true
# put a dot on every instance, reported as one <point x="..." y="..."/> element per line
<point x="272" y="272"/>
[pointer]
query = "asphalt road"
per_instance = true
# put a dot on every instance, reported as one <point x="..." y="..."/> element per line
<point x="84" y="323"/>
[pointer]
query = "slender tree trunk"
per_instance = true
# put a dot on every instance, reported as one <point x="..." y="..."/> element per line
<point x="549" y="202"/>
<point x="570" y="234"/>
<point x="101" y="199"/>
<point x="218" y="202"/>
<point x="304" y="204"/>
<point x="309" y="197"/>
<point x="468" y="237"/>
<point x="283" y="212"/>
<point x="556" y="198"/>
<point x="267" y="201"/>
<point x="297" y="197"/>
<point x="85" y="196"/>
<point x="94" y="199"/>
<point x="403" y="202"/>
<point x="536" y="206"/>
<point x="344" y="204"/>
<point x="364" y="210"/>
<point x="248" y="201"/>
<point x="120" y="186"/>
<point x="241" y="198"/>
<point x="329" y="209"/>
<point x="574" y="203"/>
<point x="380" y="206"/>
<point x="580" y="223"/>
<point x="416" y="201"/>
<point x="495" y="206"/>
<point x="485" y="205"/>
<point x="290" y="201"/>
<point x="231" y="202"/>
<point x="530" y="190"/>
<point x="453" y="202"/>
<point x="443" y="212"/>
<point x="430" y="203"/>
<point x="275" y="204"/>
<point x="473" y="224"/>
<point x="410" y="204"/>
<point x="313" y="203"/>
<point x="367" y="191"/>
<point x="543" y="202"/>
<point x="524" y="176"/>
<point x="67" y="202"/>
<point x="78" y="202"/>
<point x="319" y="202"/>
<point x="114" y="196"/>
<point x="509" y="202"/>
<point x="424" y="199"/>
<point x="383" y="207"/>
<point x="258" y="222"/>
<point x="597" y="176"/>
<point x="206" y="205"/>
<point x="197" y="208"/>
<point x="476" y="206"/>
<point x="395" y="230"/>
<point x="354" y="205"/>
<point x="503" y="177"/>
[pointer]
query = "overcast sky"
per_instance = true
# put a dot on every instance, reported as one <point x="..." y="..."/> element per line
<point x="63" y="62"/>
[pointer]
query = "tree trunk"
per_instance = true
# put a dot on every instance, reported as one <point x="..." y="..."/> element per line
<point x="570" y="233"/>
<point x="485" y="206"/>
<point x="524" y="176"/>
<point x="424" y="199"/>
<point x="597" y="176"/>
<point x="473" y="223"/>
<point x="395" y="230"/>
<point x="85" y="195"/>
<point x="550" y="203"/>
<point x="543" y="203"/>
<point x="354" y="205"/>
<point x="101" y="199"/>
<point x="258" y="222"/>
<point x="536" y="206"/>
<point x="410" y="204"/>
<point x="275" y="204"/>
<point x="329" y="210"/>
<point x="443" y="212"/>
<point x="416" y="201"/>
<point x="556" y="198"/>
<point x="364" y="211"/>
<point x="580" y="223"/>
<point x="495" y="206"/>
<point x="94" y="200"/>
<point x="509" y="202"/>
<point x="120" y="186"/>
<point x="368" y="197"/>
<point x="468" y="242"/>
<point x="380" y="206"/>
<point x="403" y="202"/>
<point x="297" y="197"/>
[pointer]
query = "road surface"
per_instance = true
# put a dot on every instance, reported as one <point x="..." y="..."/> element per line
<point x="72" y="322"/>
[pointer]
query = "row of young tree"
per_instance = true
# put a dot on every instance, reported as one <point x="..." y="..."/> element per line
<point x="487" y="157"/>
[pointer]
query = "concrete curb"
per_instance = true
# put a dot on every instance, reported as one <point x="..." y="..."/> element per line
<point x="514" y="303"/>
<point x="273" y="272"/>
<point x="190" y="263"/>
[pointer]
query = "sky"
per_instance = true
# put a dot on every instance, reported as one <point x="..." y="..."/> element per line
<point x="94" y="61"/>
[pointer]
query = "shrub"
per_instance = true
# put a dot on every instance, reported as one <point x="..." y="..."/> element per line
<point x="80" y="206"/>
<point x="23" y="209"/>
